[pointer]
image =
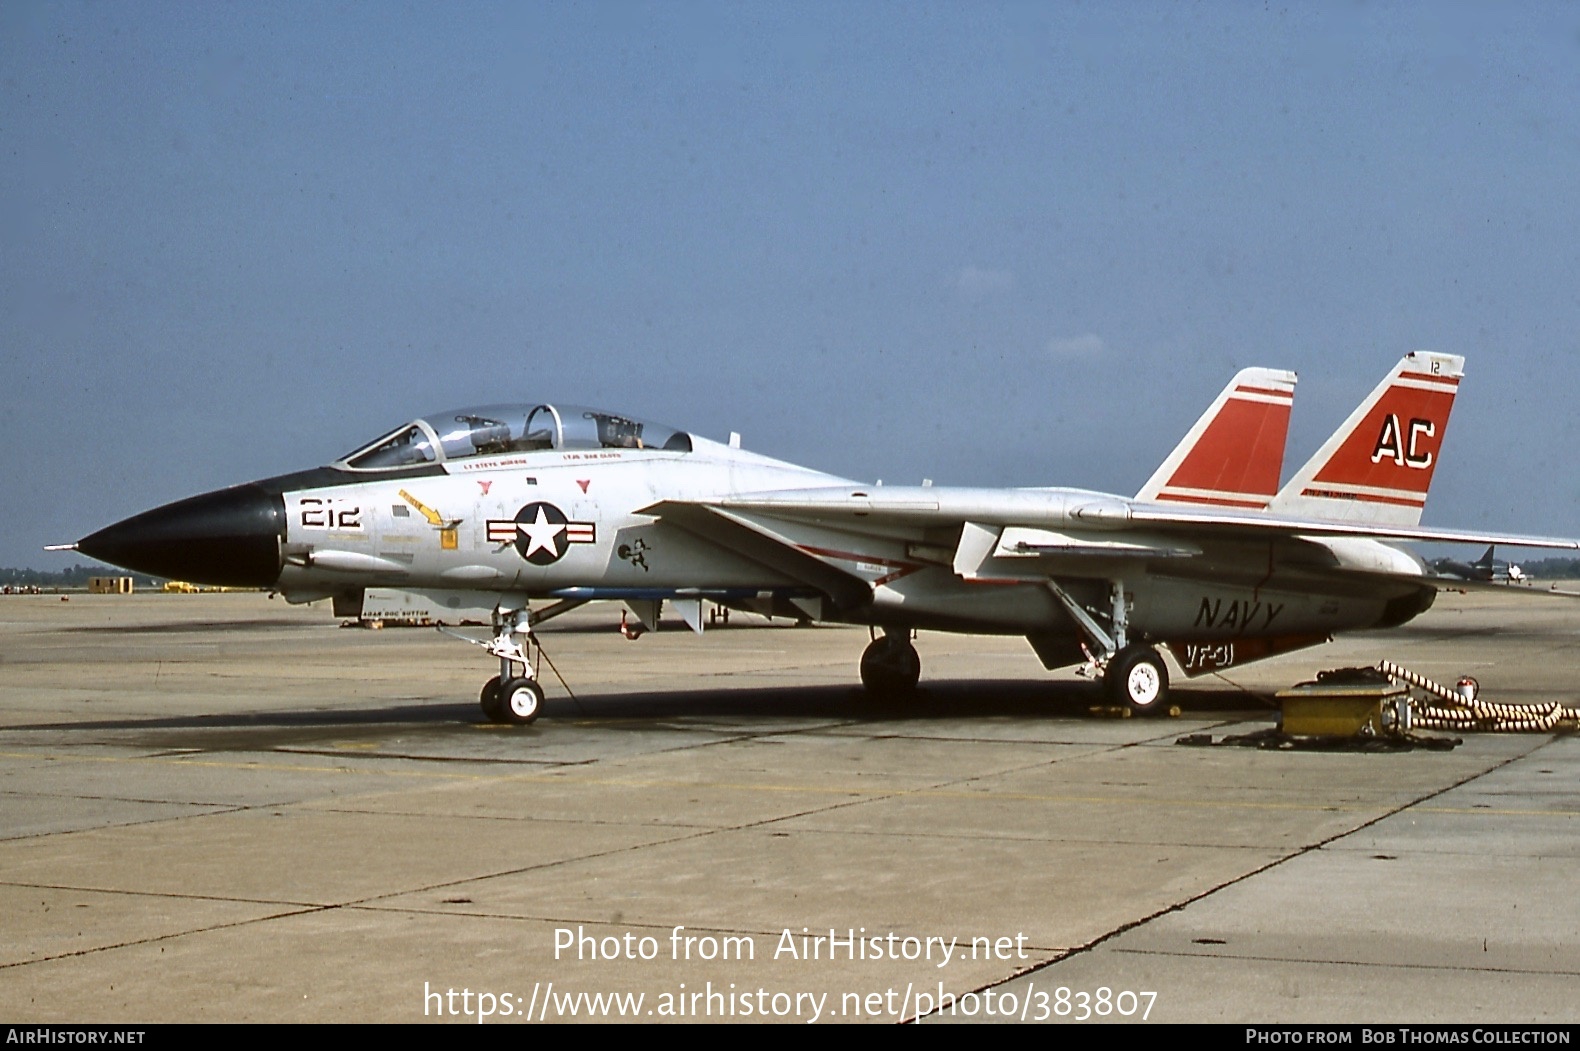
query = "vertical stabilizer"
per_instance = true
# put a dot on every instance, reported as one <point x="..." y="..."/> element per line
<point x="1377" y="467"/>
<point x="1233" y="455"/>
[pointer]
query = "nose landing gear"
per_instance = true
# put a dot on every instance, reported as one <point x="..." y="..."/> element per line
<point x="510" y="697"/>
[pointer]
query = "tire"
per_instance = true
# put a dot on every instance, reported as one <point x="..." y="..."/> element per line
<point x="1138" y="679"/>
<point x="493" y="707"/>
<point x="890" y="667"/>
<point x="520" y="701"/>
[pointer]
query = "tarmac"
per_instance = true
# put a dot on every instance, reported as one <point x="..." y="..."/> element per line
<point x="224" y="808"/>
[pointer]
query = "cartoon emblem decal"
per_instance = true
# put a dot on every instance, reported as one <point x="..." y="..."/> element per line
<point x="635" y="552"/>
<point x="541" y="533"/>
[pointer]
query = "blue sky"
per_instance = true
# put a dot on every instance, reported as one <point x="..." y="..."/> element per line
<point x="994" y="244"/>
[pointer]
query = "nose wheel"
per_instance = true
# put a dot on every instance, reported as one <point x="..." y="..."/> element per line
<point x="516" y="701"/>
<point x="519" y="701"/>
<point x="890" y="667"/>
<point x="512" y="697"/>
<point x="489" y="699"/>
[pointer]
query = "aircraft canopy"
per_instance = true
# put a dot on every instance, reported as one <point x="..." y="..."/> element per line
<point x="492" y="430"/>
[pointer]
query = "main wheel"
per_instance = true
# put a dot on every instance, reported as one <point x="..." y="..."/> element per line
<point x="520" y="701"/>
<point x="890" y="667"/>
<point x="1138" y="679"/>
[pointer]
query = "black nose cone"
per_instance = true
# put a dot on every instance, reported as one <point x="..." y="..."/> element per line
<point x="229" y="538"/>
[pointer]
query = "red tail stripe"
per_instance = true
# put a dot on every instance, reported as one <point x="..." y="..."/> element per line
<point x="1255" y="505"/>
<point x="1370" y="498"/>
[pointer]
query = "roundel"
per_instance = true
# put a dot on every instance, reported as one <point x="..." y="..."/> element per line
<point x="541" y="533"/>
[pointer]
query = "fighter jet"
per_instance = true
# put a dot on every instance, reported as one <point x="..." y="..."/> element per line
<point x="1485" y="569"/>
<point x="561" y="505"/>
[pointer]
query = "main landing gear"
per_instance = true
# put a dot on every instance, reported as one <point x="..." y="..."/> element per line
<point x="1137" y="678"/>
<point x="890" y="667"/>
<point x="1134" y="675"/>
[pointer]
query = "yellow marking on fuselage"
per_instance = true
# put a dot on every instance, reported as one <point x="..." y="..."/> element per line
<point x="434" y="518"/>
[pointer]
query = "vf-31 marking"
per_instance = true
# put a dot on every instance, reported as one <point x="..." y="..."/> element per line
<point x="1211" y="560"/>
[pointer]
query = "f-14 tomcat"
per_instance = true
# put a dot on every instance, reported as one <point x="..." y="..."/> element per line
<point x="563" y="505"/>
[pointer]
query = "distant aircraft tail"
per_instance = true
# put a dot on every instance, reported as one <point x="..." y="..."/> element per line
<point x="1377" y="467"/>
<point x="1233" y="455"/>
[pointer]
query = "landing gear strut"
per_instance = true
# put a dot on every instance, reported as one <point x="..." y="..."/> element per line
<point x="1134" y="674"/>
<point x="510" y="697"/>
<point x="514" y="696"/>
<point x="890" y="667"/>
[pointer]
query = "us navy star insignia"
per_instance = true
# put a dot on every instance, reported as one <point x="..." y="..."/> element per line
<point x="541" y="533"/>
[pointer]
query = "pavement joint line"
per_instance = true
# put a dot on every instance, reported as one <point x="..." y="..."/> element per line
<point x="698" y="834"/>
<point x="723" y="738"/>
<point x="1041" y="742"/>
<point x="185" y="755"/>
<point x="860" y="796"/>
<point x="1096" y="746"/>
<point x="978" y="837"/>
<point x="41" y="794"/>
<point x="554" y="778"/>
<point x="1298" y="960"/>
<point x="187" y="760"/>
<point x="291" y="908"/>
<point x="438" y="759"/>
<point x="218" y="810"/>
<point x="522" y="870"/>
<point x="1432" y="854"/>
<point x="1180" y="906"/>
<point x="633" y="925"/>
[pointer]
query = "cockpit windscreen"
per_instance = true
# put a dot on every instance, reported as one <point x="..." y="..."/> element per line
<point x="492" y="430"/>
